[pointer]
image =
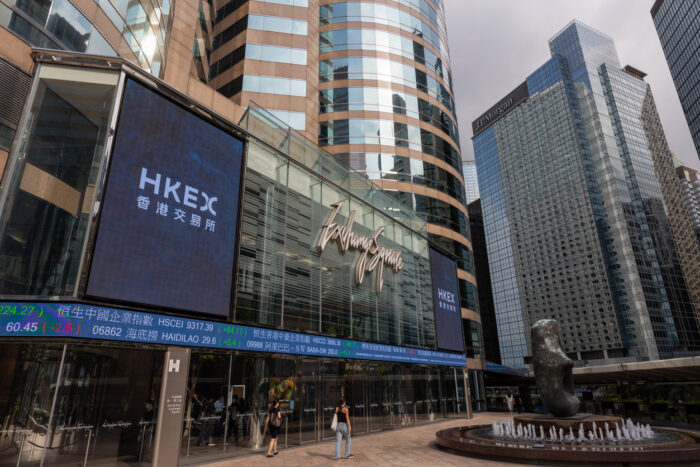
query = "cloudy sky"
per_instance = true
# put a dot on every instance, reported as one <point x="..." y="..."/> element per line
<point x="495" y="44"/>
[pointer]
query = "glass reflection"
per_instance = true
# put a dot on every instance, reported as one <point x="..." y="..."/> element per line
<point x="384" y="14"/>
<point x="370" y="68"/>
<point x="26" y="393"/>
<point x="64" y="23"/>
<point x="107" y="406"/>
<point x="61" y="146"/>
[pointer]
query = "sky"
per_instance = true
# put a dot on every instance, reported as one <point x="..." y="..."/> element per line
<point x="495" y="44"/>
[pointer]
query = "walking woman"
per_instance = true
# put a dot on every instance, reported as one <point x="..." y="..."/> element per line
<point x="273" y="423"/>
<point x="343" y="429"/>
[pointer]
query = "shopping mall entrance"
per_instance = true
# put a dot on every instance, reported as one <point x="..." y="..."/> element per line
<point x="84" y="404"/>
<point x="229" y="394"/>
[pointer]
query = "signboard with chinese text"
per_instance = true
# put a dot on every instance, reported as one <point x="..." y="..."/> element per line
<point x="79" y="320"/>
<point x="167" y="232"/>
<point x="448" y="312"/>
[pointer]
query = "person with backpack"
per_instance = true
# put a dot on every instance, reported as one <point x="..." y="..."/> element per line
<point x="273" y="422"/>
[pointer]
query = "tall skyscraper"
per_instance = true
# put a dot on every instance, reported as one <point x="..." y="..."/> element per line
<point x="690" y="186"/>
<point x="371" y="83"/>
<point x="580" y="207"/>
<point x="678" y="25"/>
<point x="471" y="183"/>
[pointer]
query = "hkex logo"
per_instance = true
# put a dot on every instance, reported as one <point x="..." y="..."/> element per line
<point x="190" y="195"/>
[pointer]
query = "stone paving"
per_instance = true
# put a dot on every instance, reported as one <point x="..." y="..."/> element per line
<point x="408" y="446"/>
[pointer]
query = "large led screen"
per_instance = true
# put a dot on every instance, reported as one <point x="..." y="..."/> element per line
<point x="167" y="231"/>
<point x="448" y="314"/>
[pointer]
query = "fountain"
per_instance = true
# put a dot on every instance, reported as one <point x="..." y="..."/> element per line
<point x="563" y="435"/>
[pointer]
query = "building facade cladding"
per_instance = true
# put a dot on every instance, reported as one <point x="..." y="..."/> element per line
<point x="575" y="180"/>
<point x="266" y="52"/>
<point x="390" y="120"/>
<point x="690" y="187"/>
<point x="471" y="182"/>
<point x="131" y="29"/>
<point x="387" y="110"/>
<point x="291" y="302"/>
<point x="136" y="30"/>
<point x="678" y="25"/>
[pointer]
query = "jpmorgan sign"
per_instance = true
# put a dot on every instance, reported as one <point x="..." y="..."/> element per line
<point x="504" y="106"/>
<point x="372" y="257"/>
<point x="493" y="114"/>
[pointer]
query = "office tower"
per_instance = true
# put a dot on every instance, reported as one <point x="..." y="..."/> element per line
<point x="265" y="51"/>
<point x="178" y="248"/>
<point x="370" y="83"/>
<point x="690" y="186"/>
<point x="581" y="213"/>
<point x="471" y="183"/>
<point x="483" y="280"/>
<point x="678" y="25"/>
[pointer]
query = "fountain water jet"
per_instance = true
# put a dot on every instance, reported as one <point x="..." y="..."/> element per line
<point x="596" y="442"/>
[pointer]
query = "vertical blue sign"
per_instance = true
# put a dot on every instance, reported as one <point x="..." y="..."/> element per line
<point x="448" y="314"/>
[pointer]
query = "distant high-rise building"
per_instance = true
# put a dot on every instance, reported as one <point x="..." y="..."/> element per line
<point x="471" y="183"/>
<point x="678" y="25"/>
<point x="690" y="186"/>
<point x="580" y="207"/>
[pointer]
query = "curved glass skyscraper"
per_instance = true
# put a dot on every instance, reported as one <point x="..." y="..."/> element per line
<point x="387" y="110"/>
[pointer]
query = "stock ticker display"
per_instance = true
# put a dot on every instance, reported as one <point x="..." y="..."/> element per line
<point x="79" y="320"/>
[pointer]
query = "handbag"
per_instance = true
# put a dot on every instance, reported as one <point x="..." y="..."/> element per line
<point x="334" y="423"/>
<point x="275" y="420"/>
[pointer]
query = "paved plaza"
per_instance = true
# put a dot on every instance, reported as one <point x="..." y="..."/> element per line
<point x="409" y="446"/>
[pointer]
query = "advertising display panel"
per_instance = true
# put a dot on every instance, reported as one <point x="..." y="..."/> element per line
<point x="167" y="232"/>
<point x="84" y="321"/>
<point x="448" y="314"/>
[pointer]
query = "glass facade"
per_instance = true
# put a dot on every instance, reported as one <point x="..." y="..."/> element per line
<point x="384" y="41"/>
<point x="387" y="100"/>
<point x="58" y="24"/>
<point x="377" y="13"/>
<point x="554" y="172"/>
<point x="387" y="110"/>
<point x="471" y="182"/>
<point x="53" y="24"/>
<point x="86" y="401"/>
<point x="277" y="24"/>
<point x="90" y="405"/>
<point x="381" y="69"/>
<point x="677" y="25"/>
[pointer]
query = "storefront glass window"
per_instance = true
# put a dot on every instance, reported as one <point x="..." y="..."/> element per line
<point x="261" y="260"/>
<point x="302" y="265"/>
<point x="106" y="406"/>
<point x="26" y="394"/>
<point x="336" y="271"/>
<point x="48" y="199"/>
